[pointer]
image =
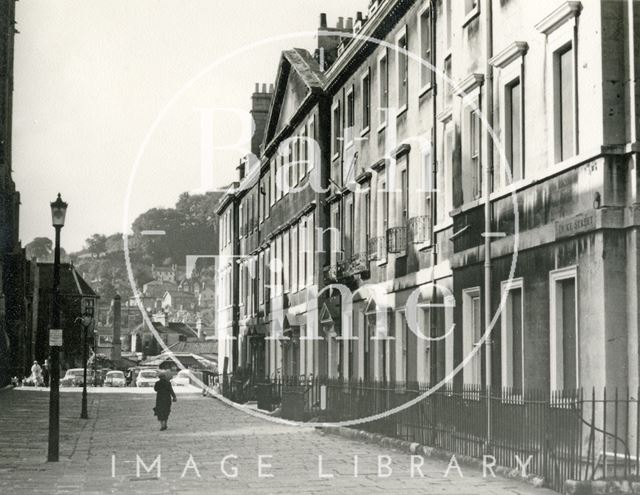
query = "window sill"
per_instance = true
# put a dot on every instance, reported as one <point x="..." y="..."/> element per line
<point x="364" y="131"/>
<point x="402" y="111"/>
<point x="439" y="227"/>
<point x="382" y="127"/>
<point x="473" y="13"/>
<point x="425" y="90"/>
<point x="335" y="156"/>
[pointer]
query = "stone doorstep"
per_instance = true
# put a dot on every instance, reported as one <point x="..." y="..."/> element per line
<point x="601" y="487"/>
<point x="418" y="449"/>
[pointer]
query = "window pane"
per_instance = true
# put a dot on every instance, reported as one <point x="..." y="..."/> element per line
<point x="566" y="103"/>
<point x="384" y="93"/>
<point x="515" y="146"/>
<point x="515" y="296"/>
<point x="425" y="41"/>
<point x="569" y="344"/>
<point x="366" y="101"/>
<point x="402" y="72"/>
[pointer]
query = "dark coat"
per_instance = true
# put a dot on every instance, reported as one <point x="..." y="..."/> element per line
<point x="164" y="394"/>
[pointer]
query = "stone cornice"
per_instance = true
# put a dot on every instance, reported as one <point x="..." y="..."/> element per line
<point x="559" y="16"/>
<point x="470" y="83"/>
<point x="509" y="54"/>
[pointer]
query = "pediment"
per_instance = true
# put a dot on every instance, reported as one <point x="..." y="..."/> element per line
<point x="299" y="77"/>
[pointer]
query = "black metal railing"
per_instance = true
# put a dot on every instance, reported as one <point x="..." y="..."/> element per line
<point x="377" y="248"/>
<point x="420" y="229"/>
<point x="359" y="264"/>
<point x="332" y="273"/>
<point x="560" y="436"/>
<point x="397" y="240"/>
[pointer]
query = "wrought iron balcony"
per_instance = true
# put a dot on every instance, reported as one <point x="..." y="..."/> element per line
<point x="420" y="229"/>
<point x="332" y="273"/>
<point x="359" y="264"/>
<point x="377" y="248"/>
<point x="397" y="240"/>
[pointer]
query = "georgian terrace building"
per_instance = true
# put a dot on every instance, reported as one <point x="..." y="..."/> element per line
<point x="420" y="193"/>
<point x="552" y="80"/>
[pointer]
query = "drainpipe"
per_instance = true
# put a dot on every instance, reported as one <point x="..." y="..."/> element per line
<point x="433" y="210"/>
<point x="487" y="211"/>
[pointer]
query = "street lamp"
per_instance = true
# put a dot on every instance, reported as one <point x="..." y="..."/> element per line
<point x="58" y="213"/>
<point x="86" y="319"/>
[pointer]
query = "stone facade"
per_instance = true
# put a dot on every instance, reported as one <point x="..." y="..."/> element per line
<point x="15" y="271"/>
<point x="522" y="144"/>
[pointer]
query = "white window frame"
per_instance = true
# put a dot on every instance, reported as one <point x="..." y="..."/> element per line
<point x="449" y="305"/>
<point x="555" y="333"/>
<point x="295" y="257"/>
<point x="561" y="29"/>
<point x="349" y="132"/>
<point x="310" y="248"/>
<point x="401" y="346"/>
<point x="268" y="202"/>
<point x="286" y="261"/>
<point x="383" y="107"/>
<point x="510" y="65"/>
<point x="272" y="180"/>
<point x="336" y="136"/>
<point x="366" y="74"/>
<point x="422" y="13"/>
<point x="506" y="338"/>
<point x="311" y="149"/>
<point x="382" y="212"/>
<point x="472" y="371"/>
<point x="401" y="105"/>
<point x="470" y="90"/>
<point x="445" y="175"/>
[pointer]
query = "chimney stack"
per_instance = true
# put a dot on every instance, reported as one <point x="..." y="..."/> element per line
<point x="349" y="24"/>
<point x="117" y="346"/>
<point x="260" y="103"/>
<point x="323" y="21"/>
<point x="199" y="328"/>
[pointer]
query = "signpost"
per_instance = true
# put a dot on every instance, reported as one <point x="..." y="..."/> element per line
<point x="55" y="337"/>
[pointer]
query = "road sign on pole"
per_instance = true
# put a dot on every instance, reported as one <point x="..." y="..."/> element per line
<point x="55" y="337"/>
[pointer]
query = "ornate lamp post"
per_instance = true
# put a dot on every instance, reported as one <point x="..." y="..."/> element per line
<point x="87" y="320"/>
<point x="58" y="213"/>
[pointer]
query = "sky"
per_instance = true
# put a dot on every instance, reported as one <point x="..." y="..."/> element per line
<point x="110" y="95"/>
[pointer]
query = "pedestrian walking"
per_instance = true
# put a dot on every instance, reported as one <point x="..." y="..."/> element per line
<point x="164" y="395"/>
<point x="36" y="374"/>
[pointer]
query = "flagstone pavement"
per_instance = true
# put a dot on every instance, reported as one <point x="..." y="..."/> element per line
<point x="209" y="447"/>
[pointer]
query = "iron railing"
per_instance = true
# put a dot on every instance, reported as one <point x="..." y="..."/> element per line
<point x="420" y="229"/>
<point x="566" y="435"/>
<point x="397" y="240"/>
<point x="331" y="273"/>
<point x="359" y="264"/>
<point x="377" y="248"/>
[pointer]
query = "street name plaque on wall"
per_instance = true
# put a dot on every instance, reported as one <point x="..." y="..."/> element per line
<point x="55" y="337"/>
<point x="575" y="225"/>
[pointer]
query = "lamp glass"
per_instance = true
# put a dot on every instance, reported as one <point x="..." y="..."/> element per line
<point x="58" y="212"/>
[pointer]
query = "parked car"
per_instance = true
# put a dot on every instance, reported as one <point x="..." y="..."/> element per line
<point x="147" y="378"/>
<point x="114" y="379"/>
<point x="181" y="379"/>
<point x="74" y="377"/>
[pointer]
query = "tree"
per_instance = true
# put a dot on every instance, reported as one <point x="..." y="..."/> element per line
<point x="97" y="244"/>
<point x="40" y="249"/>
